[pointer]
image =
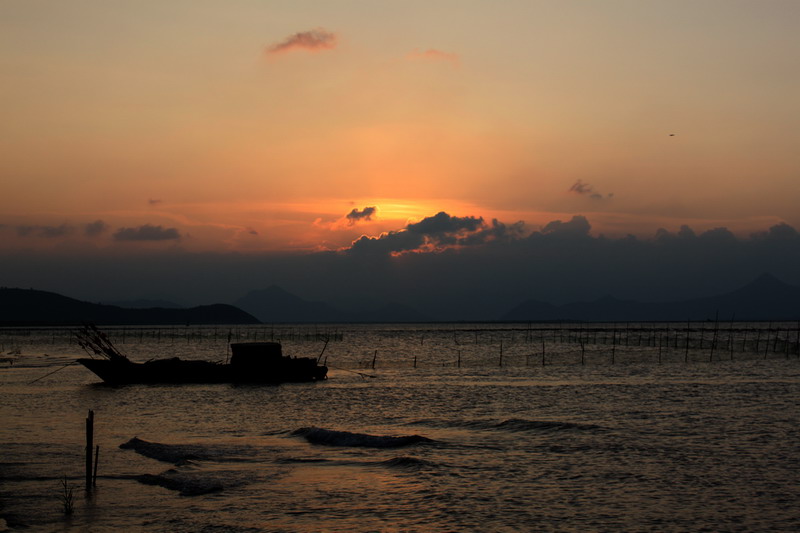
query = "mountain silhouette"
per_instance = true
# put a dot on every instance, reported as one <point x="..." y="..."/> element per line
<point x="275" y="305"/>
<point x="390" y="312"/>
<point x="40" y="308"/>
<point x="765" y="298"/>
<point x="145" y="304"/>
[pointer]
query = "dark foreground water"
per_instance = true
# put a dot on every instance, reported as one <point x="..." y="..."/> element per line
<point x="711" y="444"/>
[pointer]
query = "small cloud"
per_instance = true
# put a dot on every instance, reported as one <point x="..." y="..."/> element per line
<point x="314" y="40"/>
<point x="153" y="201"/>
<point x="251" y="231"/>
<point x="355" y="216"/>
<point x="580" y="187"/>
<point x="432" y="54"/>
<point x="577" y="226"/>
<point x="687" y="233"/>
<point x="146" y="232"/>
<point x="782" y="231"/>
<point x="718" y="235"/>
<point x="93" y="229"/>
<point x="49" y="232"/>
<point x="586" y="189"/>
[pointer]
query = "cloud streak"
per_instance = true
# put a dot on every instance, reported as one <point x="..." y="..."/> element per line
<point x="432" y="54"/>
<point x="48" y="232"/>
<point x="146" y="232"/>
<point x="93" y="229"/>
<point x="315" y="40"/>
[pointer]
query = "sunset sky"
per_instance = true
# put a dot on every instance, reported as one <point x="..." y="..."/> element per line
<point x="298" y="126"/>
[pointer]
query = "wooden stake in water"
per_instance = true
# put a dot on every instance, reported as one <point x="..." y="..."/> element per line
<point x="686" y="356"/>
<point x="501" y="354"/>
<point x="797" y="342"/>
<point x="714" y="338"/>
<point x="543" y="357"/>
<point x="660" y="340"/>
<point x="758" y="339"/>
<point x="89" y="449"/>
<point x="613" y="343"/>
<point x="766" y="347"/>
<point x="96" y="456"/>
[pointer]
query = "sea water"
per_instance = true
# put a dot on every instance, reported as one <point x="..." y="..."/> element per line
<point x="418" y="428"/>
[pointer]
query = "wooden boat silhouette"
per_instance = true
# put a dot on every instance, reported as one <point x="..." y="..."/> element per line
<point x="250" y="362"/>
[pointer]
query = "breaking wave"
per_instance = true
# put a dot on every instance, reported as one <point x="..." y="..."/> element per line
<point x="185" y="484"/>
<point x="409" y="463"/>
<point x="179" y="454"/>
<point x="516" y="424"/>
<point x="330" y="437"/>
<point x="511" y="424"/>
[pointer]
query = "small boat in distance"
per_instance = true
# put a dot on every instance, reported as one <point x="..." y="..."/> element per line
<point x="251" y="362"/>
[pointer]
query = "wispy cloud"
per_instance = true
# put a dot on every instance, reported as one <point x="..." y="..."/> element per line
<point x="93" y="229"/>
<point x="146" y="232"/>
<point x="50" y="232"/>
<point x="153" y="201"/>
<point x="315" y="40"/>
<point x="585" y="189"/>
<point x="432" y="54"/>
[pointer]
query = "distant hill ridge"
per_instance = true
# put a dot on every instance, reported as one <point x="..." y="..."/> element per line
<point x="765" y="298"/>
<point x="145" y="304"/>
<point x="275" y="305"/>
<point x="31" y="307"/>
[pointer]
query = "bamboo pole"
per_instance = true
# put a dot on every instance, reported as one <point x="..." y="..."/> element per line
<point x="501" y="354"/>
<point x="797" y="342"/>
<point x="89" y="449"/>
<point x="686" y="355"/>
<point x="714" y="338"/>
<point x="543" y="356"/>
<point x="660" y="340"/>
<point x="766" y="344"/>
<point x="96" y="460"/>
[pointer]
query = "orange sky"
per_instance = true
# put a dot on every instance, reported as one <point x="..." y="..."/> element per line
<point x="260" y="125"/>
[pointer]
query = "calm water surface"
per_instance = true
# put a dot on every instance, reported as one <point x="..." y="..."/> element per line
<point x="501" y="443"/>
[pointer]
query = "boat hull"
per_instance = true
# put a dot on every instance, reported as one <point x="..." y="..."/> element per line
<point x="175" y="370"/>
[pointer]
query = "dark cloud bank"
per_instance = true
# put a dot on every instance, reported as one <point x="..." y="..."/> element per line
<point x="455" y="268"/>
<point x="147" y="232"/>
